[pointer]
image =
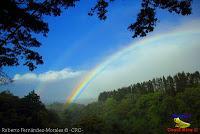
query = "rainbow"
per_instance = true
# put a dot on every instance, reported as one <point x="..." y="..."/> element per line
<point x="89" y="77"/>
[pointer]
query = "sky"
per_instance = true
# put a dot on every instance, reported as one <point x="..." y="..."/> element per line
<point x="101" y="55"/>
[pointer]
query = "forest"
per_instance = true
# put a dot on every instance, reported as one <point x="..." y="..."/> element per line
<point x="142" y="108"/>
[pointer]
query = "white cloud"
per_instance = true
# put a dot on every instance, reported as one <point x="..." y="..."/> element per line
<point x="50" y="85"/>
<point x="49" y="76"/>
<point x="25" y="76"/>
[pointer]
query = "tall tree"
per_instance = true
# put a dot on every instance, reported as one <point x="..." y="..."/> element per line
<point x="33" y="108"/>
<point x="170" y="86"/>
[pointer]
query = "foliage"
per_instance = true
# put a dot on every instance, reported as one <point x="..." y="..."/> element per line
<point x="146" y="19"/>
<point x="26" y="112"/>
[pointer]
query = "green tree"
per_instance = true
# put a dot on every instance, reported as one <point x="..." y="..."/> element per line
<point x="170" y="86"/>
<point x="26" y="112"/>
<point x="9" y="115"/>
<point x="190" y="102"/>
<point x="91" y="125"/>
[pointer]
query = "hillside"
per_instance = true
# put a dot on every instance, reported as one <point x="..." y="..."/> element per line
<point x="143" y="108"/>
<point x="148" y="105"/>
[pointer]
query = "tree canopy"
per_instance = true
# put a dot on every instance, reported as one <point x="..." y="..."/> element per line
<point x="21" y="19"/>
<point x="27" y="112"/>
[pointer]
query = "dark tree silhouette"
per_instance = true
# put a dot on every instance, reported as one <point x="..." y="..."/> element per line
<point x="26" y="112"/>
<point x="20" y="19"/>
<point x="146" y="19"/>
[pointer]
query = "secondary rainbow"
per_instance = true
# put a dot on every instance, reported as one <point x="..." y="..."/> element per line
<point x="85" y="82"/>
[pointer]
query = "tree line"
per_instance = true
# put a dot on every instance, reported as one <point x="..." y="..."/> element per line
<point x="168" y="85"/>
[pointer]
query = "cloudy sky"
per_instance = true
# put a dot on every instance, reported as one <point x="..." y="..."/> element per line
<point x="78" y="44"/>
